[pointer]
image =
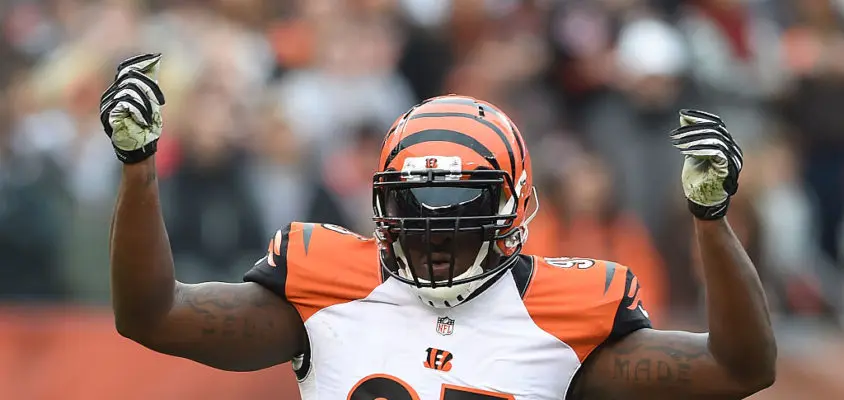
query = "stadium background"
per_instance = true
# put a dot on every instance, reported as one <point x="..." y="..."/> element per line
<point x="276" y="110"/>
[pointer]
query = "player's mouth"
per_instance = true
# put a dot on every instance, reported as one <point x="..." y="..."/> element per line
<point x="441" y="267"/>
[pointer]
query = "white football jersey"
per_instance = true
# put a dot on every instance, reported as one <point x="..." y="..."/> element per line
<point x="521" y="336"/>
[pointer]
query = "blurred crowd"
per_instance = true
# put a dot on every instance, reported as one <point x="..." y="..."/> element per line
<point x="276" y="109"/>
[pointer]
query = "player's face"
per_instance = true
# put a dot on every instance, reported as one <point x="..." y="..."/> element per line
<point x="464" y="245"/>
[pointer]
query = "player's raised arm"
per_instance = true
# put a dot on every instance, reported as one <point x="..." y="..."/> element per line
<point x="737" y="357"/>
<point x="228" y="326"/>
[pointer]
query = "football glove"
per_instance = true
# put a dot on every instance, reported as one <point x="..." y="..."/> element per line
<point x="130" y="109"/>
<point x="712" y="164"/>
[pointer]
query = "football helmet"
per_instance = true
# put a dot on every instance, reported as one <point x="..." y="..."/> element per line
<point x="451" y="166"/>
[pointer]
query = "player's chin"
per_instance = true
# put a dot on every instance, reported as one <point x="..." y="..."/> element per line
<point x="442" y="271"/>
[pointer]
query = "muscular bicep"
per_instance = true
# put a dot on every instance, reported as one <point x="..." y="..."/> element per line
<point x="230" y="326"/>
<point x="652" y="364"/>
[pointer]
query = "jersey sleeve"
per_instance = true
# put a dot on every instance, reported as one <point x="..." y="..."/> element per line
<point x="313" y="266"/>
<point x="631" y="315"/>
<point x="271" y="270"/>
<point x="584" y="302"/>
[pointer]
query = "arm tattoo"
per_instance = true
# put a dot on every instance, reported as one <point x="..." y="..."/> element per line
<point x="655" y="365"/>
<point x="644" y="366"/>
<point x="667" y="363"/>
<point x="230" y="314"/>
<point x="152" y="176"/>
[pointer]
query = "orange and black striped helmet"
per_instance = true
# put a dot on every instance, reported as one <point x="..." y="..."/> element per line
<point x="452" y="164"/>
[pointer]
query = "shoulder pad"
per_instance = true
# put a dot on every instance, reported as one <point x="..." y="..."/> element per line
<point x="314" y="266"/>
<point x="578" y="300"/>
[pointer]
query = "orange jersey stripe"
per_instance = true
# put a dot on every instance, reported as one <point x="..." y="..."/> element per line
<point x="575" y="304"/>
<point x="326" y="267"/>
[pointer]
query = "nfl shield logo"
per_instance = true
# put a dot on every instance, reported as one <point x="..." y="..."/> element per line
<point x="445" y="326"/>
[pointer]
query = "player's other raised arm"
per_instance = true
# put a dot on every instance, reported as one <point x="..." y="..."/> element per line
<point x="734" y="360"/>
<point x="737" y="357"/>
<point x="239" y="326"/>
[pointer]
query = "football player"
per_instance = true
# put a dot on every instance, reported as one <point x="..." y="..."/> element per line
<point x="439" y="303"/>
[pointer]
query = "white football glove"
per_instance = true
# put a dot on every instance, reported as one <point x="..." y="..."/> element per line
<point x="130" y="109"/>
<point x="712" y="166"/>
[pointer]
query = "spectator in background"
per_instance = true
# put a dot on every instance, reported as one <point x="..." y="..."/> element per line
<point x="582" y="217"/>
<point x="207" y="203"/>
<point x="815" y="54"/>
<point x="628" y="125"/>
<point x="581" y="40"/>
<point x="735" y="61"/>
<point x="68" y="87"/>
<point x="352" y="78"/>
<point x="280" y="183"/>
<point x="426" y="56"/>
<point x="801" y="279"/>
<point x="343" y="182"/>
<point x="33" y="205"/>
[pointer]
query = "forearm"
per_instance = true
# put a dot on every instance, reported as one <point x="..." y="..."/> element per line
<point x="142" y="276"/>
<point x="740" y="335"/>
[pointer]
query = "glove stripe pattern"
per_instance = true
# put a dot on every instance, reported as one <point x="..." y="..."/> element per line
<point x="713" y="163"/>
<point x="141" y="62"/>
<point x="707" y="137"/>
<point x="130" y="108"/>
